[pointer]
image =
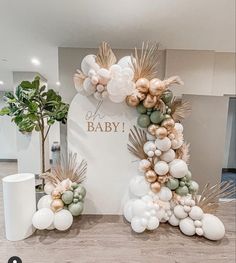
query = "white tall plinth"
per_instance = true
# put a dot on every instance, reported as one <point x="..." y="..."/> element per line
<point x="19" y="205"/>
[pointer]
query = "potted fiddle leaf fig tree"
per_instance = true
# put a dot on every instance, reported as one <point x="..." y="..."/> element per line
<point x="34" y="108"/>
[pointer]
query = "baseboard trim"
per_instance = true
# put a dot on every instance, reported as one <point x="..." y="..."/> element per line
<point x="229" y="170"/>
<point x="8" y="160"/>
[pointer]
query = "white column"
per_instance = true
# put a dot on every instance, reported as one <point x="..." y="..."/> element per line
<point x="19" y="205"/>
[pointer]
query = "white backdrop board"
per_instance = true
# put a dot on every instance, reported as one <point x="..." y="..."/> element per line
<point x="98" y="132"/>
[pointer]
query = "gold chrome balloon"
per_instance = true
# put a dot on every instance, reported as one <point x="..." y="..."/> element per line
<point x="150" y="101"/>
<point x="151" y="176"/>
<point x="169" y="124"/>
<point x="152" y="129"/>
<point x="142" y="85"/>
<point x="156" y="187"/>
<point x="132" y="100"/>
<point x="57" y="205"/>
<point x="161" y="133"/>
<point x="56" y="194"/>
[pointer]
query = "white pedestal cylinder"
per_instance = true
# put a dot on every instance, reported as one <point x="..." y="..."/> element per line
<point x="19" y="205"/>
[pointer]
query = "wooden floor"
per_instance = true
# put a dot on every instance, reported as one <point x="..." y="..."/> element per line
<point x="109" y="239"/>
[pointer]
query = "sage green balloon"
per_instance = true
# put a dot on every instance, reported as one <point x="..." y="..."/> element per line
<point x="143" y="121"/>
<point x="76" y="208"/>
<point x="74" y="185"/>
<point x="188" y="175"/>
<point x="167" y="96"/>
<point x="172" y="183"/>
<point x="67" y="197"/>
<point x="167" y="116"/>
<point x="156" y="117"/>
<point x="182" y="183"/>
<point x="141" y="109"/>
<point x="81" y="191"/>
<point x="182" y="190"/>
<point x="75" y="200"/>
<point x="193" y="187"/>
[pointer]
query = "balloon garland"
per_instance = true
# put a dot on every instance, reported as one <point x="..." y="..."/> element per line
<point x="165" y="192"/>
<point x="64" y="196"/>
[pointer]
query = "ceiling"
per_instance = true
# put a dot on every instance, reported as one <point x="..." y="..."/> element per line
<point x="36" y="28"/>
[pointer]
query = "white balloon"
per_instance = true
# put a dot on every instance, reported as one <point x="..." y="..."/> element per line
<point x="212" y="227"/>
<point x="165" y="194"/>
<point x="125" y="62"/>
<point x="144" y="165"/>
<point x="173" y="220"/>
<point x="115" y="70"/>
<point x="153" y="223"/>
<point x="136" y="225"/>
<point x="104" y="75"/>
<point x="161" y="168"/>
<point x="89" y="88"/>
<point x="139" y="208"/>
<point x="139" y="186"/>
<point x="127" y="73"/>
<point x="176" y="144"/>
<point x="178" y="168"/>
<point x="88" y="63"/>
<point x="128" y="210"/>
<point x="179" y="212"/>
<point x="187" y="227"/>
<point x="117" y="99"/>
<point x="43" y="218"/>
<point x="163" y="144"/>
<point x="63" y="220"/>
<point x="179" y="127"/>
<point x="160" y="214"/>
<point x="44" y="202"/>
<point x="48" y="188"/>
<point x="149" y="146"/>
<point x="196" y="213"/>
<point x="168" y="156"/>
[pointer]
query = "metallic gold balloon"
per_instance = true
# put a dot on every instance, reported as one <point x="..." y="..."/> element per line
<point x="57" y="205"/>
<point x="156" y="87"/>
<point x="56" y="194"/>
<point x="155" y="187"/>
<point x="162" y="179"/>
<point x="132" y="100"/>
<point x="142" y="85"/>
<point x="152" y="129"/>
<point x="171" y="136"/>
<point x="151" y="176"/>
<point x="161" y="133"/>
<point x="169" y="124"/>
<point x="150" y="101"/>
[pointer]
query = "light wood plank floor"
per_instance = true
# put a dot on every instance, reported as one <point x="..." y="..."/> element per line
<point x="109" y="239"/>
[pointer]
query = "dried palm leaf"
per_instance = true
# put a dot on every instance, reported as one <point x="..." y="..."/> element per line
<point x="183" y="153"/>
<point x="160" y="105"/>
<point x="105" y="57"/>
<point x="145" y="62"/>
<point x="137" y="139"/>
<point x="209" y="198"/>
<point x="180" y="109"/>
<point x="173" y="80"/>
<point x="78" y="79"/>
<point x="67" y="170"/>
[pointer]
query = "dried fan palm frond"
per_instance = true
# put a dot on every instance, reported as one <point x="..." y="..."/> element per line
<point x="105" y="57"/>
<point x="160" y="105"/>
<point x="68" y="170"/>
<point x="79" y="78"/>
<point x="137" y="139"/>
<point x="145" y="62"/>
<point x="180" y="109"/>
<point x="183" y="153"/>
<point x="209" y="198"/>
<point x="173" y="80"/>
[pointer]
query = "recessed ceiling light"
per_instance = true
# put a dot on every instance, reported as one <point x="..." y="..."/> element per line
<point x="35" y="61"/>
<point x="58" y="83"/>
<point x="1" y="82"/>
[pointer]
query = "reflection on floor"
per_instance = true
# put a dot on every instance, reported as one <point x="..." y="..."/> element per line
<point x="229" y="176"/>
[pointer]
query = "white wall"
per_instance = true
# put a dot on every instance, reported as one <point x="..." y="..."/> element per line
<point x="8" y="147"/>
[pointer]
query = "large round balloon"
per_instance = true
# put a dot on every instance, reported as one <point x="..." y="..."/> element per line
<point x="43" y="218"/>
<point x="128" y="210"/>
<point x="125" y="62"/>
<point x="139" y="186"/>
<point x="63" y="220"/>
<point x="178" y="168"/>
<point x="89" y="63"/>
<point x="137" y="226"/>
<point x="45" y="202"/>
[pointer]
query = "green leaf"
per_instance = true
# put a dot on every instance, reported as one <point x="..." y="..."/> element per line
<point x="5" y="111"/>
<point x="26" y="85"/>
<point x="9" y="95"/>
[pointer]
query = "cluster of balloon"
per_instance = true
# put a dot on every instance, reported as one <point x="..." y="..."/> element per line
<point x="104" y="80"/>
<point x="57" y="208"/>
<point x="165" y="191"/>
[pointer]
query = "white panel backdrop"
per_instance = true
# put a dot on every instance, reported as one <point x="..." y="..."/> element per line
<point x="99" y="134"/>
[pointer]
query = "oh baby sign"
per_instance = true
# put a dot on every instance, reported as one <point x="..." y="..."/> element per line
<point x="96" y="122"/>
<point x="98" y="132"/>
